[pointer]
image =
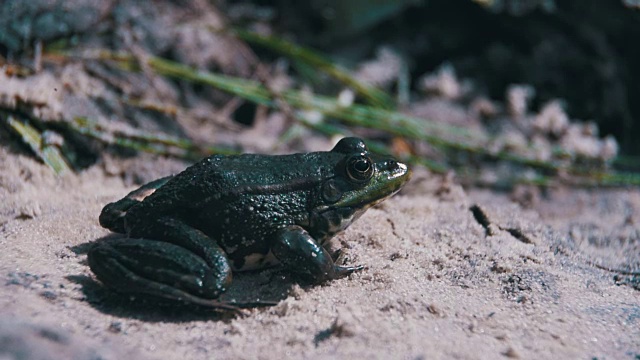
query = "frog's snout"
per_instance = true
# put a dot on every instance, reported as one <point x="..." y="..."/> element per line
<point x="395" y="169"/>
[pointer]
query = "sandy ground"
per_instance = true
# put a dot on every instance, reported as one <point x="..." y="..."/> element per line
<point x="437" y="283"/>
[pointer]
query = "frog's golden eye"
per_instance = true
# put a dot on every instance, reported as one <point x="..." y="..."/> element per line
<point x="359" y="168"/>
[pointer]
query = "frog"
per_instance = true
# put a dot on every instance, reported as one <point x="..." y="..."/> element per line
<point x="185" y="235"/>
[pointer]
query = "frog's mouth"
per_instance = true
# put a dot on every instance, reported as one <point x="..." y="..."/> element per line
<point x="388" y="179"/>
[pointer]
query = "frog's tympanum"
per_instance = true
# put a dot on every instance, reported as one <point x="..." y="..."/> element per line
<point x="186" y="233"/>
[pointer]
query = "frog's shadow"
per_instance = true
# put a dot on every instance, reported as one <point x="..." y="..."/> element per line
<point x="267" y="286"/>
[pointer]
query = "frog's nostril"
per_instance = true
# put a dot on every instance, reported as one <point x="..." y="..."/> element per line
<point x="392" y="165"/>
<point x="395" y="168"/>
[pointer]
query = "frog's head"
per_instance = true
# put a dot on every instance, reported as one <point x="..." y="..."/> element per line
<point x="360" y="180"/>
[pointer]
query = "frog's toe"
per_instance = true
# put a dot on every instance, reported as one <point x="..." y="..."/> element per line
<point x="215" y="305"/>
<point x="342" y="271"/>
<point x="336" y="255"/>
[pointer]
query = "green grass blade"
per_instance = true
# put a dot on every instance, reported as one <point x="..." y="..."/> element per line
<point x="439" y="135"/>
<point x="153" y="143"/>
<point x="49" y="154"/>
<point x="371" y="94"/>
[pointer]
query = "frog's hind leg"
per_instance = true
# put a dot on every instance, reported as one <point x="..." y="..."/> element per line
<point x="180" y="263"/>
<point x="112" y="215"/>
<point x="162" y="270"/>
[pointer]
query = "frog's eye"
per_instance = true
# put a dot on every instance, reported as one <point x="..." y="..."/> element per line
<point x="359" y="168"/>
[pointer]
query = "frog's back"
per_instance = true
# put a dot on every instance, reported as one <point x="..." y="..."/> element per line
<point x="254" y="172"/>
<point x="220" y="180"/>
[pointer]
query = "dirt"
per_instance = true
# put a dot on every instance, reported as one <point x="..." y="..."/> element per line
<point x="440" y="280"/>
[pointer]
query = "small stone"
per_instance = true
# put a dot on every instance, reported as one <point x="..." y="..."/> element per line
<point x="29" y="211"/>
<point x="235" y="329"/>
<point x="281" y="309"/>
<point x="518" y="98"/>
<point x="511" y="353"/>
<point x="49" y="295"/>
<point x="433" y="309"/>
<point x="115" y="327"/>
<point x="443" y="82"/>
<point x="296" y="292"/>
<point x="342" y="328"/>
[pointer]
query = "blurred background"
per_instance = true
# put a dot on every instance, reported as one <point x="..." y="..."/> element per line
<point x="499" y="92"/>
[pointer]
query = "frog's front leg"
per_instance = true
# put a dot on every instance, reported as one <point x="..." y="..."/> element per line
<point x="180" y="263"/>
<point x="299" y="252"/>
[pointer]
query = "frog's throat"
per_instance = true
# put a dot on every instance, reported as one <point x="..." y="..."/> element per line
<point x="324" y="225"/>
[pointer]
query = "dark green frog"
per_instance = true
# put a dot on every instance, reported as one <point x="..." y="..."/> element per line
<point x="186" y="233"/>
